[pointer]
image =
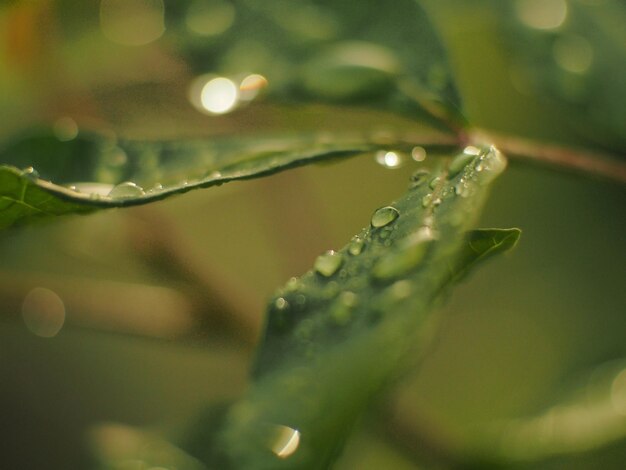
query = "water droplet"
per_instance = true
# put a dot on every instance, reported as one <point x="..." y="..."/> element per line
<point x="472" y="150"/>
<point x="281" y="304"/>
<point x="124" y="190"/>
<point x="341" y="311"/>
<point x="426" y="200"/>
<point x="418" y="154"/>
<point x="285" y="441"/>
<point x="418" y="178"/>
<point x="98" y="189"/>
<point x="356" y="246"/>
<point x="43" y="312"/>
<point x="459" y="163"/>
<point x="384" y="216"/>
<point x="463" y="188"/>
<point x="292" y="284"/>
<point x="410" y="253"/>
<point x="30" y="173"/>
<point x="156" y="188"/>
<point x="389" y="159"/>
<point x="328" y="263"/>
<point x="434" y="182"/>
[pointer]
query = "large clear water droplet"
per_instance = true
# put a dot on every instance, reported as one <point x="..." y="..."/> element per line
<point x="97" y="189"/>
<point x="126" y="190"/>
<point x="328" y="263"/>
<point x="384" y="216"/>
<point x="284" y="441"/>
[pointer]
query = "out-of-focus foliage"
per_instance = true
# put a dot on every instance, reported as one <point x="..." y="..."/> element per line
<point x="266" y="86"/>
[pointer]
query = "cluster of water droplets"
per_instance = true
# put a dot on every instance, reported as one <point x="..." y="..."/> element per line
<point x="339" y="272"/>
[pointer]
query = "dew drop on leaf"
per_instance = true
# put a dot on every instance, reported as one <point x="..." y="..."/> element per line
<point x="459" y="162"/>
<point x="356" y="246"/>
<point x="281" y="304"/>
<point x="92" y="188"/>
<point x="384" y="216"/>
<point x="126" y="190"/>
<point x="328" y="263"/>
<point x="434" y="182"/>
<point x="30" y="173"/>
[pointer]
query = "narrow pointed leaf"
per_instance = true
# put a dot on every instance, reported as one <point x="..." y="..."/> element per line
<point x="482" y="244"/>
<point x="338" y="335"/>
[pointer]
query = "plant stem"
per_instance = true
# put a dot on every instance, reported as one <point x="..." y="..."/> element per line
<point x="586" y="162"/>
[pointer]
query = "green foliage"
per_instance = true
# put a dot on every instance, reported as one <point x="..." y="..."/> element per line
<point x="314" y="372"/>
<point x="93" y="172"/>
<point x="324" y="75"/>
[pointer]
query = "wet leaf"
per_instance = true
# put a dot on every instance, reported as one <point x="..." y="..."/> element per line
<point x="338" y="335"/>
<point x="93" y="172"/>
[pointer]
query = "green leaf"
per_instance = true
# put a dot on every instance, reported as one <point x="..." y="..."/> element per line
<point x="482" y="244"/>
<point x="308" y="80"/>
<point x="92" y="172"/>
<point x="338" y="335"/>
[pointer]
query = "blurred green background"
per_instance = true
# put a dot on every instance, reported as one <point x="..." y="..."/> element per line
<point x="150" y="293"/>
